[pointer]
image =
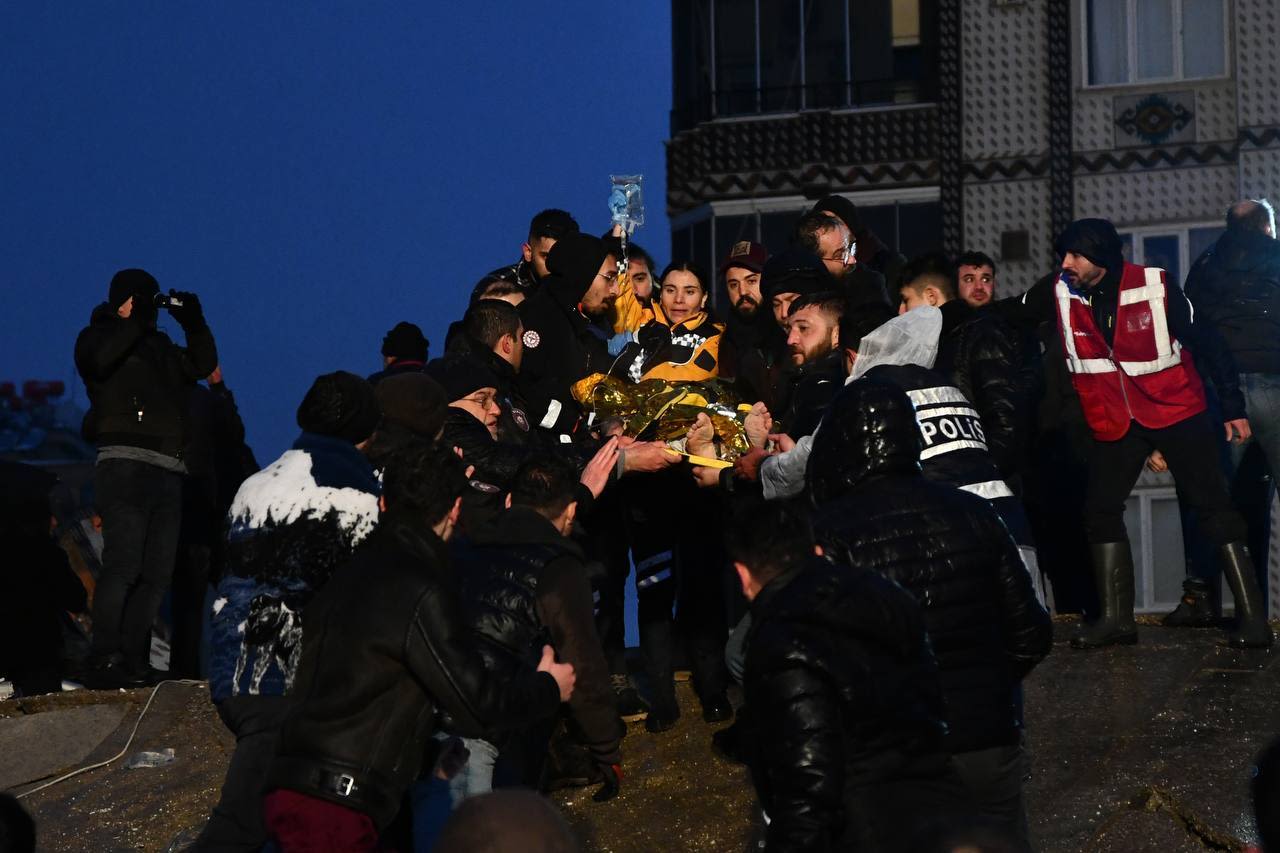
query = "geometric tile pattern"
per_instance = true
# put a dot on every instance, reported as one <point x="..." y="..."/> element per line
<point x="1260" y="173"/>
<point x="1152" y="196"/>
<point x="950" y="125"/>
<point x="775" y="155"/>
<point x="994" y="207"/>
<point x="1257" y="61"/>
<point x="1005" y="116"/>
<point x="1216" y="112"/>
<point x="1062" y="118"/>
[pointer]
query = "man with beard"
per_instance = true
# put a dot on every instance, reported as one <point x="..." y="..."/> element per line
<point x="562" y="344"/>
<point x="1128" y="339"/>
<point x="813" y="347"/>
<point x="752" y="345"/>
<point x="976" y="276"/>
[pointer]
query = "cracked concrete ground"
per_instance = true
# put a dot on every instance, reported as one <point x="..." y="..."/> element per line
<point x="1138" y="748"/>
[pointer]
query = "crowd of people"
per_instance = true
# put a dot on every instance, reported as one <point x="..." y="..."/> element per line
<point x="422" y="600"/>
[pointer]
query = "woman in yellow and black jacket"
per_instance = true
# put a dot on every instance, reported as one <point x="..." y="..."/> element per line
<point x="675" y="337"/>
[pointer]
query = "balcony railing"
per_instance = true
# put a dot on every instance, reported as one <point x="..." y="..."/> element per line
<point x="753" y="101"/>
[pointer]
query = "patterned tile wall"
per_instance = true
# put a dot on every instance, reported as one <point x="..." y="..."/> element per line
<point x="1006" y="106"/>
<point x="1156" y="195"/>
<point x="997" y="206"/>
<point x="1256" y="32"/>
<point x="1216" y="112"/>
<point x="1260" y="173"/>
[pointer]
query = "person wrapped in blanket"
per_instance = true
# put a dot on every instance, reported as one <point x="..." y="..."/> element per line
<point x="677" y="339"/>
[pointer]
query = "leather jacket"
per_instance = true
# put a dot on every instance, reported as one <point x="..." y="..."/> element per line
<point x="384" y="651"/>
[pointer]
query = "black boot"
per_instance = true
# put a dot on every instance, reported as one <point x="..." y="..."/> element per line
<point x="1251" y="631"/>
<point x="1113" y="572"/>
<point x="1195" y="610"/>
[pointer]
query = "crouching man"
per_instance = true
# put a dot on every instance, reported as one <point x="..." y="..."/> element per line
<point x="846" y="710"/>
<point x="384" y="651"/>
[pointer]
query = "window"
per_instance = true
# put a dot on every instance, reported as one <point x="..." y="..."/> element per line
<point x="736" y="83"/>
<point x="744" y="57"/>
<point x="1173" y="249"/>
<point x="1132" y="41"/>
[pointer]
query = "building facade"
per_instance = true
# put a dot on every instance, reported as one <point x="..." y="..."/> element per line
<point x="981" y="124"/>
<point x="973" y="124"/>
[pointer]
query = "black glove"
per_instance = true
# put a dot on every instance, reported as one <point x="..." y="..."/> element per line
<point x="189" y="315"/>
<point x="612" y="777"/>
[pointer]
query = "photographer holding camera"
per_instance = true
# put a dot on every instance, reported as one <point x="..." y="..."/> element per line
<point x="138" y="382"/>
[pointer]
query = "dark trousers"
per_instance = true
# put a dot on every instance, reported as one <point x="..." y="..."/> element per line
<point x="187" y="610"/>
<point x="608" y="546"/>
<point x="1191" y="449"/>
<point x="237" y="822"/>
<point x="675" y="542"/>
<point x="141" y="509"/>
<point x="994" y="779"/>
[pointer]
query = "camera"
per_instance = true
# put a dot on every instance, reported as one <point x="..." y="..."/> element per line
<point x="165" y="300"/>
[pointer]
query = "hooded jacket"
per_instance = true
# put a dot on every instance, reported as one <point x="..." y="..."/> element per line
<point x="945" y="546"/>
<point x="1235" y="288"/>
<point x="139" y="381"/>
<point x="846" y="711"/>
<point x="385" y="651"/>
<point x="561" y="345"/>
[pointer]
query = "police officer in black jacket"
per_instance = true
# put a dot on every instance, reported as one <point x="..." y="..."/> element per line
<point x="139" y="383"/>
<point x="950" y="549"/>
<point x="979" y="353"/>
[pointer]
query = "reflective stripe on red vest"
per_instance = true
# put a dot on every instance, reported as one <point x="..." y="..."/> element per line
<point x="1145" y="375"/>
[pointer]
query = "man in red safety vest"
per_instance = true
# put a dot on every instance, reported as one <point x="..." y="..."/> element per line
<point x="1127" y="336"/>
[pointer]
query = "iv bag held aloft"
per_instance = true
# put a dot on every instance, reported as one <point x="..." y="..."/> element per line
<point x="626" y="201"/>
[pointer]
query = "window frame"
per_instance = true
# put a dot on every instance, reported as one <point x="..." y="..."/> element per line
<point x="1180" y="230"/>
<point x="1131" y="20"/>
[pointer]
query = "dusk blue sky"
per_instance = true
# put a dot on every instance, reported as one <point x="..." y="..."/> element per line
<point x="316" y="172"/>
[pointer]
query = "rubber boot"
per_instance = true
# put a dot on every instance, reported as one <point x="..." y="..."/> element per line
<point x="1113" y="573"/>
<point x="1195" y="610"/>
<point x="1251" y="631"/>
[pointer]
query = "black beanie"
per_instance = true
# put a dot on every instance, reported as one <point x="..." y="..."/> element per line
<point x="460" y="374"/>
<point x="574" y="261"/>
<point x="841" y="207"/>
<point x="1095" y="239"/>
<point x="414" y="401"/>
<point x="132" y="282"/>
<point x="340" y="405"/>
<point x="406" y="341"/>
<point x="795" y="271"/>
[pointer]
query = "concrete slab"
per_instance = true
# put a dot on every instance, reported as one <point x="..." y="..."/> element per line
<point x="1134" y="749"/>
<point x="39" y="745"/>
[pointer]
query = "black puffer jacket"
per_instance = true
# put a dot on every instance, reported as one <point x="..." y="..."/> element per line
<point x="947" y="547"/>
<point x="846" y="711"/>
<point x="384" y="651"/>
<point x="139" y="381"/>
<point x="808" y="390"/>
<point x="561" y="345"/>
<point x="979" y="353"/>
<point x="496" y="463"/>
<point x="524" y="585"/>
<point x="1235" y="288"/>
